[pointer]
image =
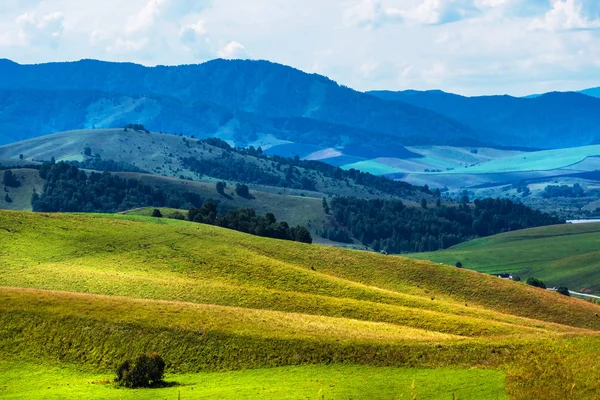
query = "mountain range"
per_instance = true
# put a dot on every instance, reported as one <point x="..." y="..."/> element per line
<point x="279" y="107"/>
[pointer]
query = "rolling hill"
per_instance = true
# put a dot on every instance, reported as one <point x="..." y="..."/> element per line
<point x="77" y="287"/>
<point x="551" y="120"/>
<point x="564" y="255"/>
<point x="260" y="88"/>
<point x="29" y="113"/>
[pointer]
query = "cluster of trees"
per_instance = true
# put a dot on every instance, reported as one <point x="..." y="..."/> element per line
<point x="10" y="179"/>
<point x="69" y="189"/>
<point x="136" y="127"/>
<point x="535" y="282"/>
<point x="239" y="169"/>
<point x="247" y="221"/>
<point x="390" y="226"/>
<point x="552" y="191"/>
<point x="335" y="234"/>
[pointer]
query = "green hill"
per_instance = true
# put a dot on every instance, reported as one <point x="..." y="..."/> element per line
<point x="75" y="289"/>
<point x="563" y="255"/>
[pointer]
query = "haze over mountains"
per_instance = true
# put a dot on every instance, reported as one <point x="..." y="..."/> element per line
<point x="552" y="120"/>
<point x="262" y="103"/>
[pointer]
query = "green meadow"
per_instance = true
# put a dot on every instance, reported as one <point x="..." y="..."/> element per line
<point x="564" y="255"/>
<point x="307" y="382"/>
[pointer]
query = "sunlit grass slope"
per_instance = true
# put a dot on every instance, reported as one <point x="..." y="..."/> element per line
<point x="87" y="291"/>
<point x="567" y="255"/>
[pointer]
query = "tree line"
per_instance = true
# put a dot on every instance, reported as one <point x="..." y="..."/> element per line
<point x="69" y="189"/>
<point x="391" y="226"/>
<point x="246" y="220"/>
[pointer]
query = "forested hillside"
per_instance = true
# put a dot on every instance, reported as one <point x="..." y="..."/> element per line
<point x="260" y="88"/>
<point x="392" y="227"/>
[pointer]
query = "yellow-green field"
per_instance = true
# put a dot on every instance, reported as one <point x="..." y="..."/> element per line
<point x="80" y="293"/>
<point x="562" y="255"/>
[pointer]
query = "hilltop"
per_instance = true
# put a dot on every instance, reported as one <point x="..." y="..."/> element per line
<point x="564" y="255"/>
<point x="258" y="88"/>
<point x="173" y="156"/>
<point x="211" y="299"/>
<point x="551" y="120"/>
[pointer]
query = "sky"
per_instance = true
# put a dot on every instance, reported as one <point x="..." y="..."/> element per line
<point x="470" y="47"/>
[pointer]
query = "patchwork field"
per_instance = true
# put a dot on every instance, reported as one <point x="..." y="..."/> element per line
<point x="565" y="255"/>
<point x="74" y="290"/>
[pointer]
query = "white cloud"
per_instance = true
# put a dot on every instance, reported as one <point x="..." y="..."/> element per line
<point x="191" y="33"/>
<point x="371" y="13"/>
<point x="436" y="12"/>
<point x="467" y="46"/>
<point x="44" y="30"/>
<point x="233" y="50"/>
<point x="570" y="15"/>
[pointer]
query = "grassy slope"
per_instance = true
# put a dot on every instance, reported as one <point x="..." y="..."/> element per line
<point x="209" y="298"/>
<point x="559" y="255"/>
<point x="21" y="196"/>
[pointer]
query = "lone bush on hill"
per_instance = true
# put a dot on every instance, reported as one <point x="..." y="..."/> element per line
<point x="242" y="190"/>
<point x="156" y="213"/>
<point x="531" y="281"/>
<point x="563" y="290"/>
<point x="144" y="371"/>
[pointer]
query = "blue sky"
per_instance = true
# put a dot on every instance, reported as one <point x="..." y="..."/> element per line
<point x="470" y="47"/>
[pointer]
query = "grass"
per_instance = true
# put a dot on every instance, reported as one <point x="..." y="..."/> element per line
<point x="27" y="380"/>
<point x="21" y="196"/>
<point x="84" y="292"/>
<point x="564" y="255"/>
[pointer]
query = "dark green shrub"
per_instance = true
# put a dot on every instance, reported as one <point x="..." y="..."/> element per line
<point x="7" y="198"/>
<point x="156" y="213"/>
<point x="531" y="281"/>
<point x="10" y="179"/>
<point x="144" y="371"/>
<point x="221" y="187"/>
<point x="177" y="215"/>
<point x="459" y="264"/>
<point x="563" y="290"/>
<point x="242" y="190"/>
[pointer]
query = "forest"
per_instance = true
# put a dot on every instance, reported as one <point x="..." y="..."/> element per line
<point x="390" y="226"/>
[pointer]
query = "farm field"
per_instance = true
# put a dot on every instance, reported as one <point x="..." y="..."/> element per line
<point x="564" y="255"/>
<point x="221" y="306"/>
